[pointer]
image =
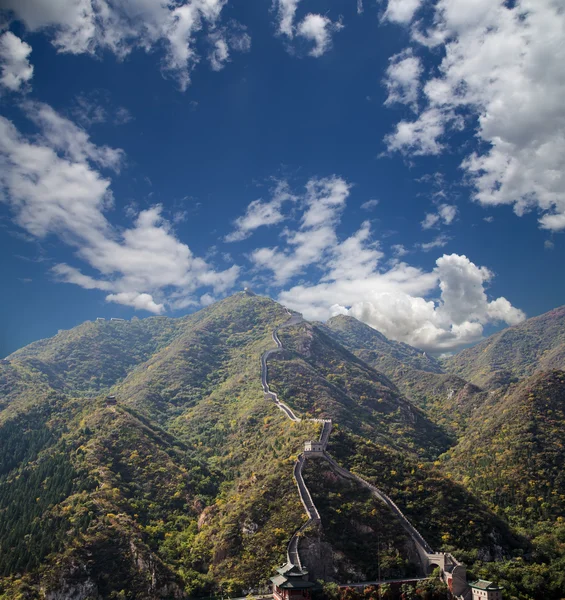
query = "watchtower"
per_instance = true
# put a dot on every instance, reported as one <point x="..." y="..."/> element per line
<point x="313" y="448"/>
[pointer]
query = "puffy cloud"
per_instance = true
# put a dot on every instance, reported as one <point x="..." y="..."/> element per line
<point x="396" y="298"/>
<point x="260" y="213"/>
<point x="51" y="185"/>
<point x="16" y="68"/>
<point x="219" y="55"/>
<point x="286" y="14"/>
<point x="318" y="29"/>
<point x="502" y="66"/>
<point x="395" y="303"/>
<point x="401" y="11"/>
<point x="137" y="301"/>
<point x="314" y="27"/>
<point x="236" y="38"/>
<point x="88" y="26"/>
<point x="402" y="79"/>
<point x="445" y="215"/>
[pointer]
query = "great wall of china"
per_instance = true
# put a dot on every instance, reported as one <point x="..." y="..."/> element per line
<point x="453" y="572"/>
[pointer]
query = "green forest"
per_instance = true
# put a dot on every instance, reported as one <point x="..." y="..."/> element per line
<point x="183" y="487"/>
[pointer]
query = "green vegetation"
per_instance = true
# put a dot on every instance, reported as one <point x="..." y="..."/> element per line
<point x="185" y="486"/>
<point x="318" y="377"/>
<point x="537" y="344"/>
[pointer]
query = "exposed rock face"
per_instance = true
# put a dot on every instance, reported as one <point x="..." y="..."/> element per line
<point x="318" y="557"/>
<point x="85" y="590"/>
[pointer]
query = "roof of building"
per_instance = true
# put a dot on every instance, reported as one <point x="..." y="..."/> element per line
<point x="291" y="570"/>
<point x="482" y="584"/>
<point x="296" y="584"/>
<point x="292" y="577"/>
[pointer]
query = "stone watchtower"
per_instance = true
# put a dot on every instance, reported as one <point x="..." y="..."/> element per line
<point x="486" y="590"/>
<point x="313" y="448"/>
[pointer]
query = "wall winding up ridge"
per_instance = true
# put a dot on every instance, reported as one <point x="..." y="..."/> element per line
<point x="450" y="567"/>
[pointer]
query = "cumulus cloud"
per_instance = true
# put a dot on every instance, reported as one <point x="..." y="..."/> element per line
<point x="445" y="215"/>
<point x="318" y="29"/>
<point x="401" y="11"/>
<point x="315" y="28"/>
<point x="395" y="303"/>
<point x="286" y="14"/>
<point x="51" y="184"/>
<point x="436" y="310"/>
<point x="14" y="62"/>
<point x="137" y="301"/>
<point x="260" y="213"/>
<point x="402" y="79"/>
<point x="90" y="26"/>
<point x="503" y="71"/>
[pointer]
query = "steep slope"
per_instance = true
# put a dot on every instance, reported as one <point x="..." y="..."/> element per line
<point x="387" y="356"/>
<point x="185" y="483"/>
<point x="319" y="378"/>
<point x="446" y="398"/>
<point x="209" y="500"/>
<point x="513" y="451"/>
<point x="537" y="344"/>
<point x="95" y="355"/>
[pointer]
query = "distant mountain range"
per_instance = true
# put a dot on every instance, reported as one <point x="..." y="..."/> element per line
<point x="142" y="459"/>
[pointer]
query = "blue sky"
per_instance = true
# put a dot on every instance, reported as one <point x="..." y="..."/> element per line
<point x="399" y="161"/>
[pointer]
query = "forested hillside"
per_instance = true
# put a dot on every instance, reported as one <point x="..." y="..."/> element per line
<point x="537" y="344"/>
<point x="183" y="485"/>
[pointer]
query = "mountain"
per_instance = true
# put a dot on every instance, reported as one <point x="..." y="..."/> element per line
<point x="447" y="399"/>
<point x="513" y="451"/>
<point x="387" y="356"/>
<point x="537" y="344"/>
<point x="182" y="485"/>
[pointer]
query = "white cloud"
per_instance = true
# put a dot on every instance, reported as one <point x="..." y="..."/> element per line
<point x="137" y="301"/>
<point x="318" y="29"/>
<point x="445" y="215"/>
<point x="52" y="188"/>
<point x="395" y="303"/>
<point x="402" y="79"/>
<point x="286" y="14"/>
<point x="323" y="203"/>
<point x="119" y="26"/>
<point x="503" y="67"/>
<point x="260" y="213"/>
<point x="401" y="11"/>
<point x="219" y="54"/>
<point x="421" y="136"/>
<point x="370" y="204"/>
<point x="392" y="296"/>
<point x="235" y="37"/>
<point x="399" y="250"/>
<point x="14" y="62"/>
<point x="72" y="141"/>
<point x="438" y="242"/>
<point x="313" y="27"/>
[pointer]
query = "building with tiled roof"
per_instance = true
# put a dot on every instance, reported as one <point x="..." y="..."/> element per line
<point x="291" y="583"/>
<point x="486" y="590"/>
